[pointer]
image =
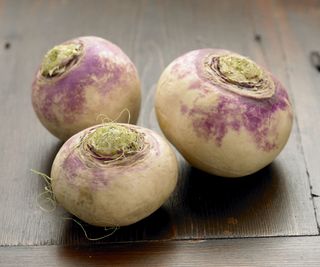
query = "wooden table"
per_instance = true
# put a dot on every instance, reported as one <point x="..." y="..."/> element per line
<point x="270" y="218"/>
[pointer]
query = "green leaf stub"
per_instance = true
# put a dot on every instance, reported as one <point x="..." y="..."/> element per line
<point x="58" y="59"/>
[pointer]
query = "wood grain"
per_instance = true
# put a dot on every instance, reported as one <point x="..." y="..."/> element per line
<point x="276" y="201"/>
<point x="305" y="80"/>
<point x="268" y="252"/>
<point x="286" y="37"/>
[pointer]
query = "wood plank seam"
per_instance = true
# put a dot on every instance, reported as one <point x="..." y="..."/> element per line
<point x="189" y="239"/>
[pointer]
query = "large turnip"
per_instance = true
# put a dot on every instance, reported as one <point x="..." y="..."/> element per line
<point x="224" y="113"/>
<point x="114" y="174"/>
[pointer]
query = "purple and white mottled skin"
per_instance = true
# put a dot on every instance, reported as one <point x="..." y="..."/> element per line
<point x="118" y="193"/>
<point x="217" y="130"/>
<point x="104" y="81"/>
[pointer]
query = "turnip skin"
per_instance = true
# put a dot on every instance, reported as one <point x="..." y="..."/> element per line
<point x="103" y="81"/>
<point x="217" y="130"/>
<point x="119" y="193"/>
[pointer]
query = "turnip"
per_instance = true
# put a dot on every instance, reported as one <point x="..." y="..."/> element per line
<point x="82" y="79"/>
<point x="226" y="115"/>
<point x="114" y="174"/>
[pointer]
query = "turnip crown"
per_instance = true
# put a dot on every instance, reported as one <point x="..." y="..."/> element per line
<point x="60" y="58"/>
<point x="239" y="69"/>
<point x="113" y="141"/>
<point x="239" y="75"/>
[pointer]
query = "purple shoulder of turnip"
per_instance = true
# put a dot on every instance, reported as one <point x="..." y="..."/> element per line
<point x="81" y="79"/>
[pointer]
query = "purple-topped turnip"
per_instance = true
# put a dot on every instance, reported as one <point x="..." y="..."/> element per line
<point x="82" y="79"/>
<point x="224" y="113"/>
<point x="114" y="174"/>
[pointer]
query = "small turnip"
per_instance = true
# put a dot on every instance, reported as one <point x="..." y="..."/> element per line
<point x="226" y="115"/>
<point x="114" y="174"/>
<point x="81" y="79"/>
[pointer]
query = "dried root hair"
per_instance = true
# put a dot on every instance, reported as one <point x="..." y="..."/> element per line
<point x="112" y="229"/>
<point x="47" y="196"/>
<point x="102" y="118"/>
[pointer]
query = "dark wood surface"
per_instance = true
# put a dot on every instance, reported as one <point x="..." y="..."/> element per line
<point x="280" y="200"/>
<point x="266" y="252"/>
